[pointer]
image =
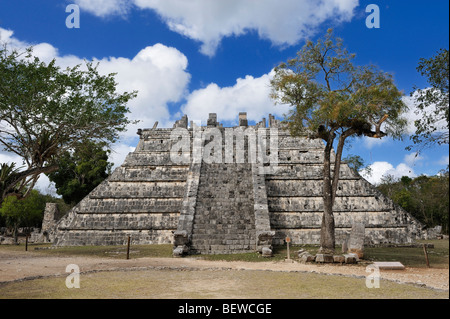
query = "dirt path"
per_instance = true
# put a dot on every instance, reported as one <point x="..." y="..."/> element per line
<point x="22" y="265"/>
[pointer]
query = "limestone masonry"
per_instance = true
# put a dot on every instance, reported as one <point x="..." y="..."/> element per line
<point x="227" y="205"/>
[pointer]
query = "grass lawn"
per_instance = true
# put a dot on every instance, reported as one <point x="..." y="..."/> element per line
<point x="115" y="252"/>
<point x="412" y="257"/>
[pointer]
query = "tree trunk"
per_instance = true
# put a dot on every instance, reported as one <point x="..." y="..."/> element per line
<point x="330" y="184"/>
<point x="327" y="236"/>
<point x="15" y="234"/>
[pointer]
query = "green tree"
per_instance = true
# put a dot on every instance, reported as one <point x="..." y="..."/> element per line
<point x="24" y="212"/>
<point x="81" y="171"/>
<point x="356" y="163"/>
<point x="388" y="185"/>
<point x="333" y="100"/>
<point x="424" y="197"/>
<point x="46" y="111"/>
<point x="430" y="199"/>
<point x="433" y="102"/>
<point x="404" y="198"/>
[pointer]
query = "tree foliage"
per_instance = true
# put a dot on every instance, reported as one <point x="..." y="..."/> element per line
<point x="7" y="174"/>
<point x="425" y="197"/>
<point x="25" y="212"/>
<point x="333" y="99"/>
<point x="432" y="103"/>
<point x="357" y="164"/>
<point x="45" y="111"/>
<point x="332" y="95"/>
<point x="81" y="171"/>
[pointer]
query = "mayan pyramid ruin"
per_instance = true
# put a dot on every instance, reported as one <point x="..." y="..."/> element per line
<point x="210" y="189"/>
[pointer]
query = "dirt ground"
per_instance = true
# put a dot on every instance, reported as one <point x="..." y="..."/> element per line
<point x="17" y="266"/>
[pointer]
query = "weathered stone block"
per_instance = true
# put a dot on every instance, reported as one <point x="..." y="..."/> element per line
<point x="266" y="252"/>
<point x="339" y="259"/>
<point x="393" y="265"/>
<point x="300" y="252"/>
<point x="350" y="259"/>
<point x="356" y="240"/>
<point x="324" y="258"/>
<point x="307" y="257"/>
<point x="345" y="246"/>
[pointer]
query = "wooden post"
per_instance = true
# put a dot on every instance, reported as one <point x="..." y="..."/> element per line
<point x="128" y="247"/>
<point x="426" y="255"/>
<point x="26" y="243"/>
<point x="288" y="240"/>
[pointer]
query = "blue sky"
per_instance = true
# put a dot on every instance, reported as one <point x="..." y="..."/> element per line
<point x="199" y="56"/>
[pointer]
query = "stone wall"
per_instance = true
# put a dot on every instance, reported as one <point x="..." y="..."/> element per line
<point x="295" y="200"/>
<point x="142" y="198"/>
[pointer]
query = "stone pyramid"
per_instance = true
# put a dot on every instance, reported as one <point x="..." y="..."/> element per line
<point x="228" y="203"/>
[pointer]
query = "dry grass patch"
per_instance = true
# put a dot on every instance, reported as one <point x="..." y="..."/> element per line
<point x="213" y="284"/>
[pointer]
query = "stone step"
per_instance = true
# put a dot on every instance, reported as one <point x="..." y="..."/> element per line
<point x="389" y="265"/>
<point x="228" y="242"/>
<point x="221" y="249"/>
<point x="221" y="237"/>
<point x="224" y="218"/>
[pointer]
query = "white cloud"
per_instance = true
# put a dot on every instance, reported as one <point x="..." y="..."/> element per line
<point x="413" y="159"/>
<point x="103" y="8"/>
<point x="6" y="37"/>
<point x="158" y="73"/>
<point x="249" y="95"/>
<point x="119" y="152"/>
<point x="8" y="158"/>
<point x="444" y="160"/>
<point x="370" y="142"/>
<point x="282" y="22"/>
<point x="414" y="114"/>
<point x="46" y="52"/>
<point x="383" y="169"/>
<point x="45" y="186"/>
